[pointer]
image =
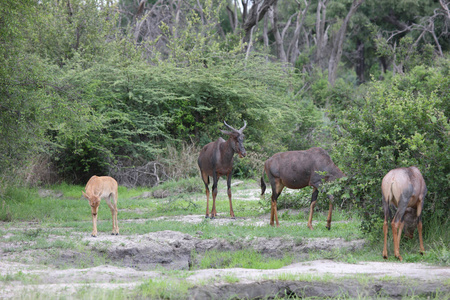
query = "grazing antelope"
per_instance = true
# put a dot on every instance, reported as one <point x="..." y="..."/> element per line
<point x="296" y="170"/>
<point x="406" y="189"/>
<point x="102" y="187"/>
<point x="216" y="159"/>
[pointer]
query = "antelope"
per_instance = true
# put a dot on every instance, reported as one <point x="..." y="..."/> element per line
<point x="405" y="188"/>
<point x="216" y="160"/>
<point x="102" y="187"/>
<point x="296" y="170"/>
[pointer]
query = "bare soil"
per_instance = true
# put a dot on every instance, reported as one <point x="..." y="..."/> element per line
<point x="126" y="261"/>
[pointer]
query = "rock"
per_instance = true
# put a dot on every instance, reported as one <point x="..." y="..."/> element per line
<point x="50" y="193"/>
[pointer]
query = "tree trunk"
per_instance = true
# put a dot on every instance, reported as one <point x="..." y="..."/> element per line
<point x="293" y="51"/>
<point x="360" y="61"/>
<point x="256" y="13"/>
<point x="276" y="33"/>
<point x="320" y="30"/>
<point x="266" y="35"/>
<point x="232" y="16"/>
<point x="336" y="53"/>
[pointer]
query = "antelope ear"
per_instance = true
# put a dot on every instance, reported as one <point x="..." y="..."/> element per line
<point x="85" y="196"/>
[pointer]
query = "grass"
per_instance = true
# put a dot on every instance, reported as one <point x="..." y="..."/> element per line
<point x="71" y="213"/>
<point x="230" y="278"/>
<point x="18" y="276"/>
<point x="164" y="289"/>
<point x="302" y="277"/>
<point x="247" y="259"/>
<point x="54" y="225"/>
<point x="85" y="292"/>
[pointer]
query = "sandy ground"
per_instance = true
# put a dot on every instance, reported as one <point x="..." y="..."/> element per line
<point x="67" y="282"/>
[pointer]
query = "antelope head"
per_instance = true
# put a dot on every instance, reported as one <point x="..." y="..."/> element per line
<point x="94" y="202"/>
<point x="237" y="139"/>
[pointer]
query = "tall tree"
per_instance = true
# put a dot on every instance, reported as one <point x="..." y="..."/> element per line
<point x="338" y="43"/>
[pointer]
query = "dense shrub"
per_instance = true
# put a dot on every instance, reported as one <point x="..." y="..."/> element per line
<point x="398" y="124"/>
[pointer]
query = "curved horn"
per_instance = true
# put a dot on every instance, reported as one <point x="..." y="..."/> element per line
<point x="242" y="129"/>
<point x="230" y="127"/>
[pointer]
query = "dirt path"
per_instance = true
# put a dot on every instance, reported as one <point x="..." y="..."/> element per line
<point x="138" y="258"/>
<point x="391" y="280"/>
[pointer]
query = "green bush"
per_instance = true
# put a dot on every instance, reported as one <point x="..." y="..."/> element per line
<point x="398" y="124"/>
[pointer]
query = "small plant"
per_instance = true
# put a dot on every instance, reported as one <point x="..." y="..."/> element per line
<point x="240" y="259"/>
<point x="164" y="289"/>
<point x="230" y="278"/>
<point x="19" y="276"/>
<point x="32" y="233"/>
<point x="310" y="277"/>
<point x="440" y="253"/>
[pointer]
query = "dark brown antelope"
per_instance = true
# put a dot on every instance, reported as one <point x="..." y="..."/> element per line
<point x="216" y="160"/>
<point x="406" y="189"/>
<point x="296" y="170"/>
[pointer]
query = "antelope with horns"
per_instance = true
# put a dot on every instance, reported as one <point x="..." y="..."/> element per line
<point x="216" y="159"/>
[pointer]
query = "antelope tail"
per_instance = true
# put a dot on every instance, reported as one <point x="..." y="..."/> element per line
<point x="387" y="196"/>
<point x="390" y="193"/>
<point x="263" y="184"/>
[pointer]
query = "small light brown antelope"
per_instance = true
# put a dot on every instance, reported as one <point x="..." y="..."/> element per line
<point x="405" y="188"/>
<point x="102" y="187"/>
<point x="296" y="170"/>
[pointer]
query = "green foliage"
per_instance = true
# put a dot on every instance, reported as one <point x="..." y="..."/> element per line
<point x="67" y="29"/>
<point x="36" y="102"/>
<point x="397" y="125"/>
<point x="139" y="108"/>
<point x="20" y="88"/>
<point x="248" y="259"/>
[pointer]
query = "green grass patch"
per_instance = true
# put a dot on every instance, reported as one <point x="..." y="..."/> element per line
<point x="302" y="277"/>
<point x="185" y="185"/>
<point x="247" y="259"/>
<point x="19" y="276"/>
<point x="231" y="278"/>
<point x="164" y="289"/>
<point x="233" y="231"/>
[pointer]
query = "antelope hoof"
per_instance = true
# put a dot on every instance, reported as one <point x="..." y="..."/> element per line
<point x="93" y="235"/>
<point x="206" y="217"/>
<point x="233" y="218"/>
<point x="422" y="253"/>
<point x="328" y="227"/>
<point x="385" y="256"/>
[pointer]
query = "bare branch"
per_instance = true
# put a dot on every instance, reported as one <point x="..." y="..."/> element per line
<point x="444" y="6"/>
